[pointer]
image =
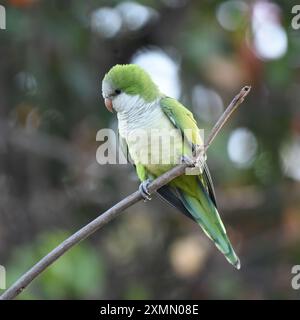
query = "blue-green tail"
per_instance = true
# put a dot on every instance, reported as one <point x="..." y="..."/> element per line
<point x="207" y="216"/>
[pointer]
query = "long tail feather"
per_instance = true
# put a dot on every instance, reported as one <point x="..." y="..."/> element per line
<point x="207" y="216"/>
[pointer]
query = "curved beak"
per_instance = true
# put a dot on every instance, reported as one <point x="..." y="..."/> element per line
<point x="108" y="104"/>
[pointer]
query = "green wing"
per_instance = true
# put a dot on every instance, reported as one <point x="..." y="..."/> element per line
<point x="183" y="119"/>
<point x="196" y="193"/>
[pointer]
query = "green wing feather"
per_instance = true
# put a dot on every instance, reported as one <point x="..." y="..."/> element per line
<point x="196" y="192"/>
<point x="183" y="119"/>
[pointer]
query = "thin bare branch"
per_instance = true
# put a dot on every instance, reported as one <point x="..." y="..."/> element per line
<point x="116" y="210"/>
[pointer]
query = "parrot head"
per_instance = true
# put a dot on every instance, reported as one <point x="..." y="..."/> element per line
<point x="127" y="85"/>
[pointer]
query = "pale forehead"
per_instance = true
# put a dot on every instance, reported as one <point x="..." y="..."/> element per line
<point x="107" y="87"/>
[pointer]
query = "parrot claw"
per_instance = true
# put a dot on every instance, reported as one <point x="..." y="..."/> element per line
<point x="143" y="188"/>
<point x="187" y="160"/>
<point x="198" y="162"/>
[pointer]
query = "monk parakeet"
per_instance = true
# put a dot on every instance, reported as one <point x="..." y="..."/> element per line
<point x="142" y="107"/>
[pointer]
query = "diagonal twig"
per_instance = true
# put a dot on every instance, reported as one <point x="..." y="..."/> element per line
<point x="117" y="209"/>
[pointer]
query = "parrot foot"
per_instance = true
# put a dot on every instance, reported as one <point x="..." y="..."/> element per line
<point x="143" y="189"/>
<point x="197" y="164"/>
<point x="187" y="160"/>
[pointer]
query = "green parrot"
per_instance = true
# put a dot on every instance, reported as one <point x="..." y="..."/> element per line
<point x="142" y="107"/>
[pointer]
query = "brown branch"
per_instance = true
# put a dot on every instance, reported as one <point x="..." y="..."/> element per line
<point x="116" y="210"/>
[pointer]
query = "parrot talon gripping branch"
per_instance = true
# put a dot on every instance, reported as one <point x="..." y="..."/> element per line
<point x="187" y="160"/>
<point x="143" y="188"/>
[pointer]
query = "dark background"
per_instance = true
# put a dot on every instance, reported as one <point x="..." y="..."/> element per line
<point x="53" y="56"/>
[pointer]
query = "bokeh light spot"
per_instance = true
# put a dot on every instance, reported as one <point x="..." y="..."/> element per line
<point x="242" y="147"/>
<point x="162" y="68"/>
<point x="231" y="14"/>
<point x="135" y="15"/>
<point x="270" y="38"/>
<point x="207" y="103"/>
<point x="290" y="155"/>
<point x="106" y="21"/>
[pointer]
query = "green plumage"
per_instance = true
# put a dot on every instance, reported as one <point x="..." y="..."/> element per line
<point x="194" y="190"/>
<point x="133" y="80"/>
<point x="192" y="194"/>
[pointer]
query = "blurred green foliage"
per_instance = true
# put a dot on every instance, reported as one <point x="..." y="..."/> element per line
<point x="79" y="273"/>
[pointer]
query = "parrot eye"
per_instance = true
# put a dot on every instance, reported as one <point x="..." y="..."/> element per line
<point x="117" y="91"/>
